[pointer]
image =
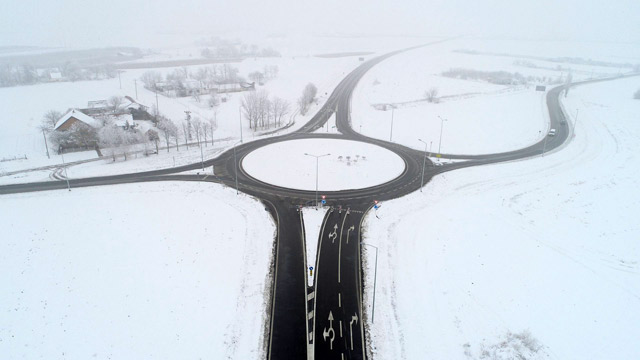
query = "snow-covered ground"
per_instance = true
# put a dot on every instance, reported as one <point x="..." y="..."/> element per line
<point x="539" y="257"/>
<point x="163" y="270"/>
<point x="24" y="106"/>
<point x="479" y="117"/>
<point x="347" y="164"/>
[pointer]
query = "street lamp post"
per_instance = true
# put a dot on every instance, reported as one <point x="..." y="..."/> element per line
<point x="235" y="161"/>
<point x="317" y="160"/>
<point x="424" y="162"/>
<point x="375" y="278"/>
<point x="391" y="130"/>
<point x="575" y="122"/>
<point x="441" y="126"/>
<point x="240" y="111"/>
<point x="66" y="176"/>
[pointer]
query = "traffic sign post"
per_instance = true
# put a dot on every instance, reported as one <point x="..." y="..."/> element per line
<point x="310" y="270"/>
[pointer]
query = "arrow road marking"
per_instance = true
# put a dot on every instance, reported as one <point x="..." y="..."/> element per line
<point x="353" y="318"/>
<point x="348" y="231"/>
<point x="333" y="235"/>
<point x="326" y="333"/>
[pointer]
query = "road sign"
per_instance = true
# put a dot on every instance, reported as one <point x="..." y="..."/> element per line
<point x="324" y="197"/>
<point x="438" y="155"/>
<point x="324" y="202"/>
<point x="310" y="267"/>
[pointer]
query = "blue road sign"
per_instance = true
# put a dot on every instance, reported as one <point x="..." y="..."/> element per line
<point x="310" y="267"/>
<point x="324" y="202"/>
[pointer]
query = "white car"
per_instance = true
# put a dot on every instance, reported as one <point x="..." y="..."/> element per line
<point x="552" y="132"/>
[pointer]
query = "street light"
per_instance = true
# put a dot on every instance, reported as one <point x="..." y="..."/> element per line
<point x="441" y="126"/>
<point x="66" y="176"/>
<point x="424" y="162"/>
<point x="235" y="161"/>
<point x="391" y="130"/>
<point x="317" y="159"/>
<point x="240" y="111"/>
<point x="375" y="278"/>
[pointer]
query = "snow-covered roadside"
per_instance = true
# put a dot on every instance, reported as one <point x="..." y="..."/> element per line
<point x="162" y="270"/>
<point x="540" y="255"/>
<point x="474" y="117"/>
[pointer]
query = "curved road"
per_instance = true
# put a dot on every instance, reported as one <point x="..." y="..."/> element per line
<point x="323" y="321"/>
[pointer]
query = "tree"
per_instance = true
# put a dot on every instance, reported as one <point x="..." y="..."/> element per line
<point x="153" y="136"/>
<point x="115" y="102"/>
<point x="257" y="77"/>
<point x="110" y="138"/>
<point x="214" y="100"/>
<point x="150" y="79"/>
<point x="49" y="120"/>
<point x="213" y="124"/>
<point x="255" y="106"/>
<point x="197" y="129"/>
<point x="431" y="95"/>
<point x="280" y="108"/>
<point x="168" y="128"/>
<point x="308" y="94"/>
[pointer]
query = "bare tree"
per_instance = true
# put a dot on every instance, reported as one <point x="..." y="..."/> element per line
<point x="153" y="136"/>
<point x="214" y="100"/>
<point x="280" y="108"/>
<point x="186" y="134"/>
<point x="431" y="95"/>
<point x="49" y="120"/>
<point x="197" y="128"/>
<point x="168" y="128"/>
<point x="213" y="124"/>
<point x="116" y="102"/>
<point x="257" y="77"/>
<point x="150" y="79"/>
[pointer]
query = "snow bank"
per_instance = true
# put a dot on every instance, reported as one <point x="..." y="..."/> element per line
<point x="161" y="270"/>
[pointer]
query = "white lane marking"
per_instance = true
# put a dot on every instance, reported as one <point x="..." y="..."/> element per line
<point x="326" y="332"/>
<point x="339" y="300"/>
<point x="334" y="234"/>
<point x="310" y="315"/>
<point x="348" y="231"/>
<point x="340" y="243"/>
<point x="340" y="328"/>
<point x="353" y="318"/>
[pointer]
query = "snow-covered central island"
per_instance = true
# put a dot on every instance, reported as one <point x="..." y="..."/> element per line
<point x="348" y="165"/>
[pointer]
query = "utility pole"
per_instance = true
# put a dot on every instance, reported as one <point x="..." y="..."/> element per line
<point x="317" y="161"/>
<point x="441" y="126"/>
<point x="119" y="79"/>
<point x="135" y="83"/>
<point x="235" y="161"/>
<point x="240" y="112"/>
<point x="424" y="163"/>
<point x="375" y="279"/>
<point x="45" y="144"/>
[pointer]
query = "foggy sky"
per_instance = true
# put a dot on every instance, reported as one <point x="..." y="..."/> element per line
<point x="147" y="23"/>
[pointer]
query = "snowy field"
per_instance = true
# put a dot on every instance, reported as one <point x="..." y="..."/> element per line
<point x="348" y="164"/>
<point x="495" y="117"/>
<point x="161" y="270"/>
<point x="539" y="257"/>
<point x="24" y="106"/>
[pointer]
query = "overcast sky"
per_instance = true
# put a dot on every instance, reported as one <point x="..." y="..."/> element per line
<point x="153" y="23"/>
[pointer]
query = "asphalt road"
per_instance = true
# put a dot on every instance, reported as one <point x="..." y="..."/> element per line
<point x="325" y="321"/>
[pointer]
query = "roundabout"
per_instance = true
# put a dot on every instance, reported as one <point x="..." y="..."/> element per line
<point x="341" y="164"/>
